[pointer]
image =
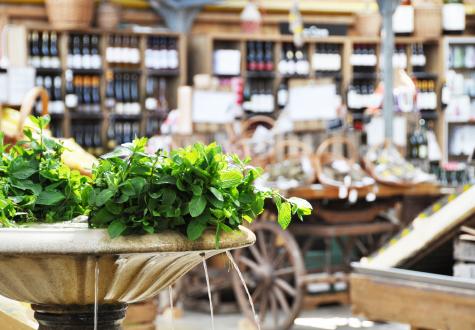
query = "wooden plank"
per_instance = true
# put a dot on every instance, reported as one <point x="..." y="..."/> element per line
<point x="342" y="230"/>
<point x="420" y="305"/>
<point x="315" y="192"/>
<point x="313" y="301"/>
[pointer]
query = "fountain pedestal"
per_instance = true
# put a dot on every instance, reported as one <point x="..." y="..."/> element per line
<point x="79" y="317"/>
<point x="63" y="270"/>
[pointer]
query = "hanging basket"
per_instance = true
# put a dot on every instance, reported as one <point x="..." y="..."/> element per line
<point x="70" y="14"/>
<point x="326" y="169"/>
<point x="13" y="135"/>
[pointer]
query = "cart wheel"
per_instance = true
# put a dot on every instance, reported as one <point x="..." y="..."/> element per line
<point x="273" y="269"/>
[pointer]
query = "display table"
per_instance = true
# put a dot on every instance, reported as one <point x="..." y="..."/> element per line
<point x="423" y="300"/>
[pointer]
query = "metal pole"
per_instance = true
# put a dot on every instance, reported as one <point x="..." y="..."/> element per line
<point x="387" y="8"/>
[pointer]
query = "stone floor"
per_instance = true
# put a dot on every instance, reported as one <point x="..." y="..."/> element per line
<point x="323" y="318"/>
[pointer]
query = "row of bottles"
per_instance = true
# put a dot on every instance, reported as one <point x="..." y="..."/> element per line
<point x="462" y="56"/>
<point x="361" y="95"/>
<point x="123" y="49"/>
<point x="52" y="84"/>
<point x="400" y="57"/>
<point x="258" y="97"/>
<point x="426" y="95"/>
<point x="453" y="17"/>
<point x="162" y="53"/>
<point x="122" y="93"/>
<point x="43" y="50"/>
<point x="418" y="143"/>
<point x="83" y="92"/>
<point x="418" y="57"/>
<point x="155" y="92"/>
<point x="293" y="61"/>
<point x="120" y="132"/>
<point x="88" y="135"/>
<point x="260" y="56"/>
<point x="84" y="52"/>
<point x="327" y="57"/>
<point x="364" y="55"/>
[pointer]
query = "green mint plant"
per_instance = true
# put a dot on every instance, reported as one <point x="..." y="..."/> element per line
<point x="188" y="190"/>
<point x="35" y="185"/>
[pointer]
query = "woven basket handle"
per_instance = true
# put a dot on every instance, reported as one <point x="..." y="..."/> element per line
<point x="283" y="147"/>
<point x="323" y="154"/>
<point x="28" y="104"/>
<point x="255" y="121"/>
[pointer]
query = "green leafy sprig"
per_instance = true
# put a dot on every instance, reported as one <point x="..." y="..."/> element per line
<point x="188" y="190"/>
<point x="35" y="185"/>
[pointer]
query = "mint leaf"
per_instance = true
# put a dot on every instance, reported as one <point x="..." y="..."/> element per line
<point x="49" y="198"/>
<point x="197" y="205"/>
<point x="195" y="229"/>
<point x="116" y="228"/>
<point x="230" y="178"/>
<point x="285" y="215"/>
<point x="216" y="193"/>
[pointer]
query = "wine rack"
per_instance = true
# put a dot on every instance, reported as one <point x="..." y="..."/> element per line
<point x="106" y="87"/>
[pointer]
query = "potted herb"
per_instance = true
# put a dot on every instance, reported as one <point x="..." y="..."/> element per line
<point x="187" y="190"/>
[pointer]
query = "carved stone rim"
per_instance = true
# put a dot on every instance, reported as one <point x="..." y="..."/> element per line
<point x="78" y="239"/>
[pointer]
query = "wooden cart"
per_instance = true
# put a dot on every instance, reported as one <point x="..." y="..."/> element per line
<point x="274" y="267"/>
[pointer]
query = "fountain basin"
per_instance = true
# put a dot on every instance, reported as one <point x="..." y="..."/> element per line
<point x="56" y="264"/>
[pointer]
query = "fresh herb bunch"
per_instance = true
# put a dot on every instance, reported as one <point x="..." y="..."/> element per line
<point x="36" y="186"/>
<point x="188" y="190"/>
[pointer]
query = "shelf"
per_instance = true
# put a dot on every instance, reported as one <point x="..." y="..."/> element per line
<point x="159" y="115"/>
<point x="86" y="115"/>
<point x="163" y="73"/>
<point x="86" y="71"/>
<point x="294" y="76"/>
<point x="46" y="71"/>
<point x="425" y="75"/>
<point x="124" y="117"/>
<point x="429" y="114"/>
<point x="126" y="70"/>
<point x="260" y="74"/>
<point x="329" y="74"/>
<point x="365" y="75"/>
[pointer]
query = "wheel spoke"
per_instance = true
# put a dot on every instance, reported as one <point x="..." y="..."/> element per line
<point x="261" y="241"/>
<point x="271" y="246"/>
<point x="286" y="287"/>
<point x="256" y="254"/>
<point x="281" y="299"/>
<point x="257" y="292"/>
<point x="273" y="307"/>
<point x="283" y="271"/>
<point x="248" y="262"/>
<point x="264" y="302"/>
<point x="279" y="259"/>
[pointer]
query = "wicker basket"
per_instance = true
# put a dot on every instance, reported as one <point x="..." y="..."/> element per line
<point x="428" y="20"/>
<point x="368" y="24"/>
<point x="325" y="156"/>
<point x="26" y="110"/>
<point x="70" y="14"/>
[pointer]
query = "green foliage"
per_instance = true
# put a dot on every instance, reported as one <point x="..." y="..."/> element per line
<point x="188" y="190"/>
<point x="35" y="185"/>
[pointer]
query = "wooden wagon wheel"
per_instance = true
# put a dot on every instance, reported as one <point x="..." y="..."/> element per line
<point x="273" y="270"/>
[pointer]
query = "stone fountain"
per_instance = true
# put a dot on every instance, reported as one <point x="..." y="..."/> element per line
<point x="63" y="270"/>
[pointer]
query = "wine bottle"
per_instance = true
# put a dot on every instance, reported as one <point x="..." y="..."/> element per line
<point x="45" y="56"/>
<point x="134" y="95"/>
<point x="86" y="62"/>
<point x="251" y="56"/>
<point x="95" y="95"/>
<point x="77" y="56"/>
<point x="453" y="17"/>
<point x="95" y="54"/>
<point x="282" y="95"/>
<point x="269" y="57"/>
<point x="151" y="103"/>
<point x="53" y="50"/>
<point x="35" y="50"/>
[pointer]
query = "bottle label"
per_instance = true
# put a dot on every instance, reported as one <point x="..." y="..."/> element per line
<point x="96" y="61"/>
<point x="453" y="17"/>
<point x="86" y="61"/>
<point x="403" y="19"/>
<point x="46" y="62"/>
<point x="151" y="103"/>
<point x="71" y="100"/>
<point x="77" y="61"/>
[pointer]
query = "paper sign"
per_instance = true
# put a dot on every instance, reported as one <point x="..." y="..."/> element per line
<point x="313" y="102"/>
<point x="213" y="107"/>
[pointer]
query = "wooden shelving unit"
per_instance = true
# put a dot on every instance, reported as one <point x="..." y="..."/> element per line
<point x="202" y="46"/>
<point x="174" y="78"/>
